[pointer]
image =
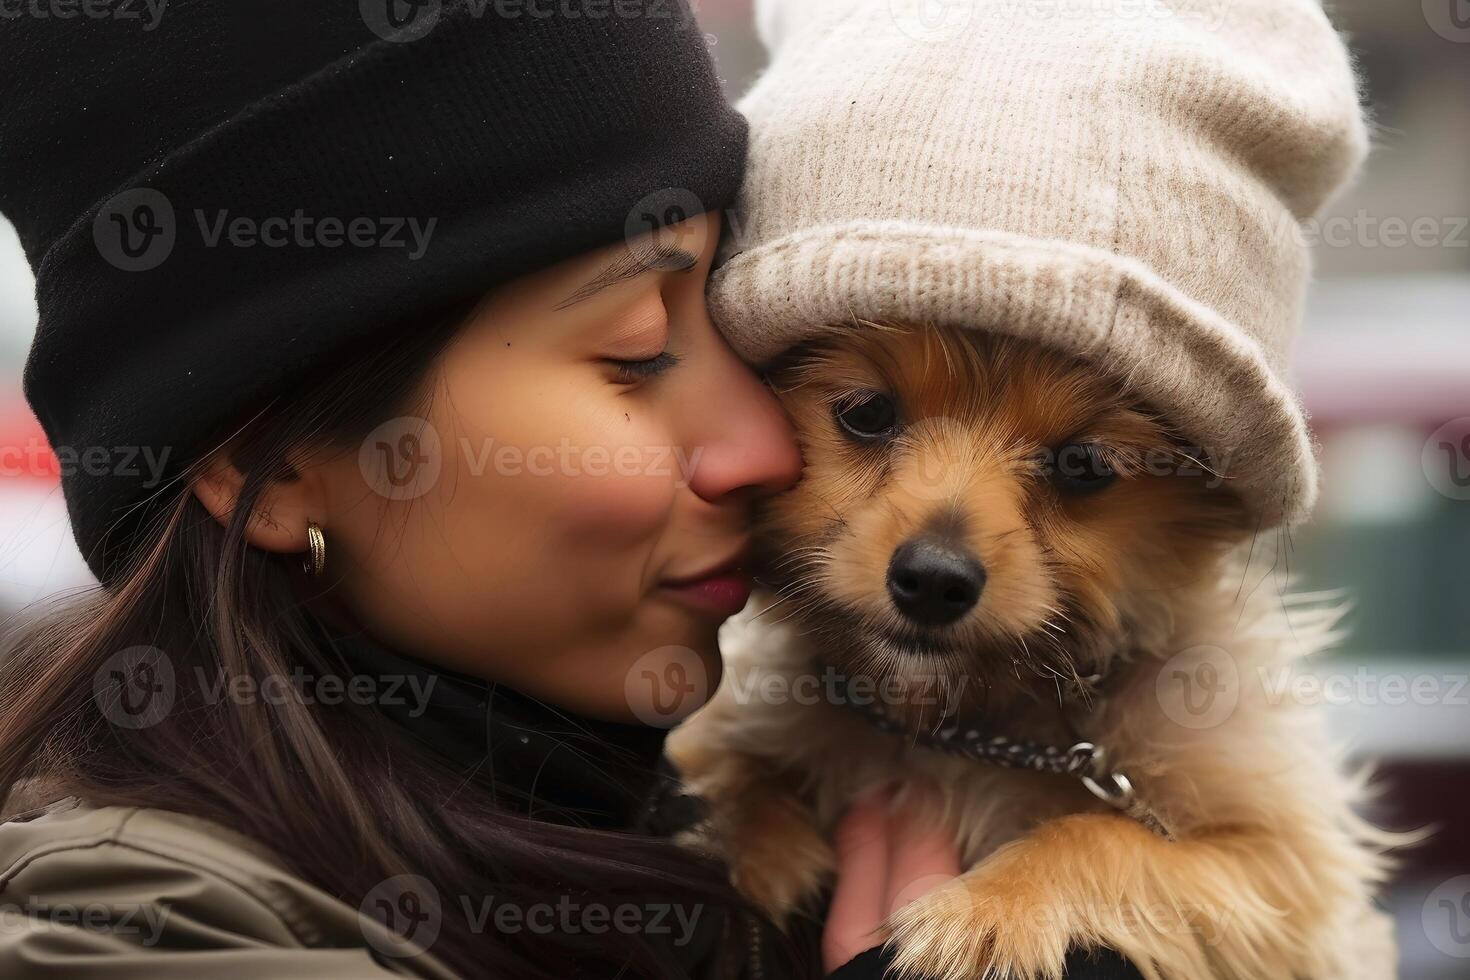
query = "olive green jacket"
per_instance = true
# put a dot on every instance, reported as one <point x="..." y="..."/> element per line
<point x="123" y="892"/>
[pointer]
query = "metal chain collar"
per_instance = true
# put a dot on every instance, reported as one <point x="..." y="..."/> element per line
<point x="1084" y="761"/>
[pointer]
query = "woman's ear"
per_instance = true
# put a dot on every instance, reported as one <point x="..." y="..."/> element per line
<point x="282" y="510"/>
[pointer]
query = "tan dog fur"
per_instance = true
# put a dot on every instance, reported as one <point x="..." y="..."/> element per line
<point x="1272" y="872"/>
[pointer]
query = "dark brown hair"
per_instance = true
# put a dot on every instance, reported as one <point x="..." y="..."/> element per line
<point x="337" y="793"/>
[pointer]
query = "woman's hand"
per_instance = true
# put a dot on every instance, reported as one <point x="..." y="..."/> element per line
<point x="884" y="861"/>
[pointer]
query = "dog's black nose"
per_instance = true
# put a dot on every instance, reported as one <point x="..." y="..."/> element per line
<point x="932" y="583"/>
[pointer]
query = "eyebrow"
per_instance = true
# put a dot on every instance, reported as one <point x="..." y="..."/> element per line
<point x="631" y="265"/>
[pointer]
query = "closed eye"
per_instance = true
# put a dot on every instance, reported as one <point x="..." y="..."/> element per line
<point x="633" y="371"/>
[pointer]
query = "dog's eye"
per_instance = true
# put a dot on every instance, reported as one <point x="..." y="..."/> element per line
<point x="1081" y="467"/>
<point x="872" y="416"/>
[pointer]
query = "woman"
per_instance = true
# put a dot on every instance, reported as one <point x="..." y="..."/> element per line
<point x="445" y="482"/>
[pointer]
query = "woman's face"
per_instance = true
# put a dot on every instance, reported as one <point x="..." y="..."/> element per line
<point x="567" y="515"/>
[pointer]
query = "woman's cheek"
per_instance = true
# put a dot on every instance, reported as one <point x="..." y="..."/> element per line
<point x="616" y="494"/>
<point x="609" y="474"/>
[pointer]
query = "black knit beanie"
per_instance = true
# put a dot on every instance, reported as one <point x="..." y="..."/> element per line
<point x="221" y="198"/>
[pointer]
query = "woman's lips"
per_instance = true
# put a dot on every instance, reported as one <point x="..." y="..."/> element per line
<point x="722" y="595"/>
<point x="722" y="591"/>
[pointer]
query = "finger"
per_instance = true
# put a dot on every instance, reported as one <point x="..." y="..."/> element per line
<point x="922" y="856"/>
<point x="861" y="845"/>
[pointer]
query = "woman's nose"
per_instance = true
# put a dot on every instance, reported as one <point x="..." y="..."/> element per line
<point x="745" y="443"/>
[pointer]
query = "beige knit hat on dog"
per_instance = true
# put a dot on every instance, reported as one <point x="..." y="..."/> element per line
<point x="1125" y="180"/>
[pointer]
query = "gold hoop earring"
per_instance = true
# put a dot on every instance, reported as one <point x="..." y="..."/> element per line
<point x="315" y="558"/>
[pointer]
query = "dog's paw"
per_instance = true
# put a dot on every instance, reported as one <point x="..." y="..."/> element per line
<point x="757" y="824"/>
<point x="1016" y="915"/>
<point x="988" y="923"/>
<point x="777" y="858"/>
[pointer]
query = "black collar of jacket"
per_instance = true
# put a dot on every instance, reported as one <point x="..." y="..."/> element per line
<point x="536" y="759"/>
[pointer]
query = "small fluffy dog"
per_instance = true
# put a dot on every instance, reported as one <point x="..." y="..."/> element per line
<point x="1005" y="581"/>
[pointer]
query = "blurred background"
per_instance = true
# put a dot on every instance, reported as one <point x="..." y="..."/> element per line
<point x="1384" y="367"/>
